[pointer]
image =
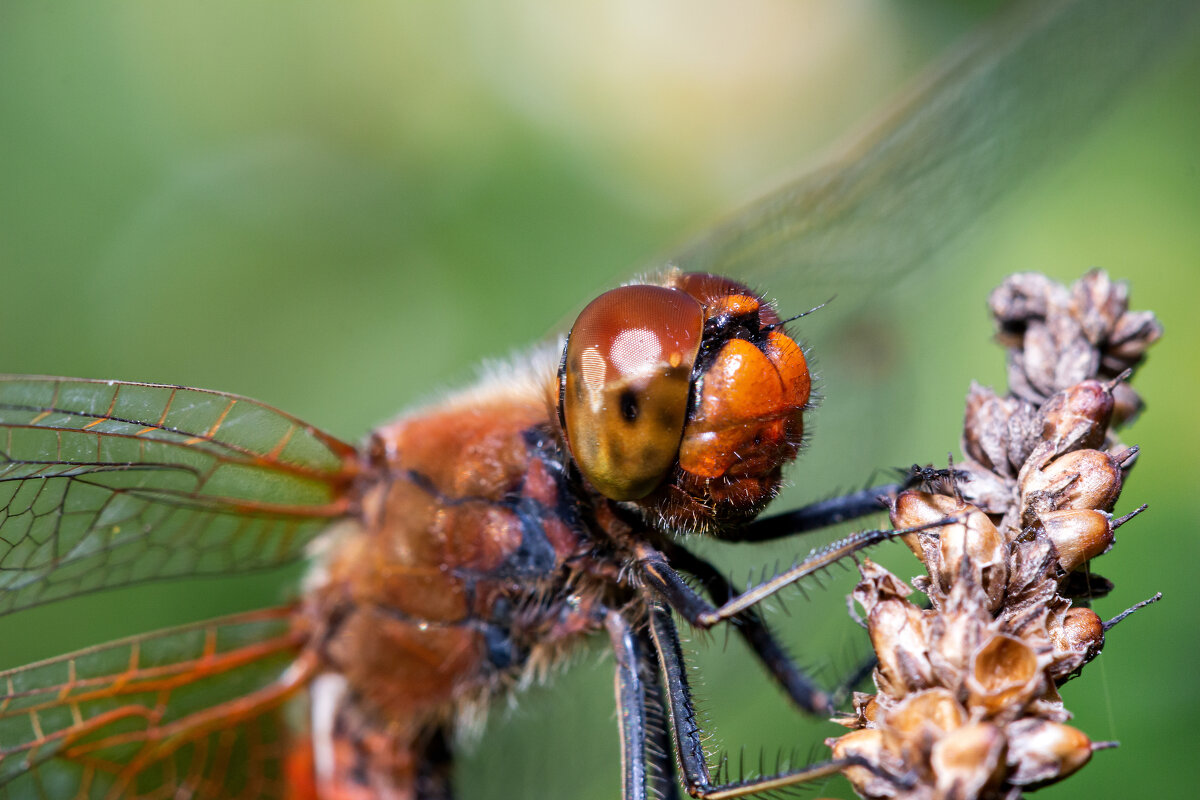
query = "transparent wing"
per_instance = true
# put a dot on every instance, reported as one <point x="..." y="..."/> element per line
<point x="192" y="712"/>
<point x="1019" y="93"/>
<point x="105" y="483"/>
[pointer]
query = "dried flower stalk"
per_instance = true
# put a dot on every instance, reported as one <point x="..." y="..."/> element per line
<point x="967" y="703"/>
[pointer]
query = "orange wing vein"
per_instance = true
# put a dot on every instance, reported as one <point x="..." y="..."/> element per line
<point x="191" y="712"/>
<point x="104" y="483"/>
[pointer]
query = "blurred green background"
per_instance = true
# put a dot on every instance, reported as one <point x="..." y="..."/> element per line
<point x="340" y="209"/>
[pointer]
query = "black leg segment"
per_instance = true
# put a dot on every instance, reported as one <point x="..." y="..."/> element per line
<point x="689" y="736"/>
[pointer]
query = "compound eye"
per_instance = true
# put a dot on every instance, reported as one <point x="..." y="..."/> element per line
<point x="626" y="379"/>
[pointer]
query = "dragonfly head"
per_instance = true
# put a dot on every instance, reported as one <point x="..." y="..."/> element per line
<point x="684" y="397"/>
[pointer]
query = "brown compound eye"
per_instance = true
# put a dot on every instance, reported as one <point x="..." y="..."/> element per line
<point x="625" y="386"/>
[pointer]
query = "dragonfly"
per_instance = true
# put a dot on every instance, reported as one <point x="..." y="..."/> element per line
<point x="273" y="484"/>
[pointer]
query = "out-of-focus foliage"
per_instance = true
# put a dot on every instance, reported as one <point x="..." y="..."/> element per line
<point x="340" y="209"/>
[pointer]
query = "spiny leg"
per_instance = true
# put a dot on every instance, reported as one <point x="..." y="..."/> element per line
<point x="821" y="514"/>
<point x="663" y="579"/>
<point x="631" y="706"/>
<point x="689" y="736"/>
<point x="647" y="764"/>
<point x="802" y="689"/>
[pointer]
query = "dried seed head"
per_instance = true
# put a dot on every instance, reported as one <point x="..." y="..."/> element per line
<point x="967" y="703"/>
<point x="1058" y="337"/>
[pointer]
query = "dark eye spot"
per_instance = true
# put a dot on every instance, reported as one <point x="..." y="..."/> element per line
<point x="629" y="406"/>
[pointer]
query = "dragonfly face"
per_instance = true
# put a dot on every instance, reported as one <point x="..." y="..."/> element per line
<point x="305" y="340"/>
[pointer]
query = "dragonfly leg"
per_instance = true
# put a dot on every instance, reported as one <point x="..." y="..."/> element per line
<point x="659" y="748"/>
<point x="647" y="767"/>
<point x="689" y="736"/>
<point x="660" y="576"/>
<point x="436" y="766"/>
<point x="821" y="514"/>
<point x="802" y="689"/>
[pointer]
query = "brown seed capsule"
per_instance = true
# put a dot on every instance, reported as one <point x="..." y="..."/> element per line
<point x="1004" y="674"/>
<point x="968" y="761"/>
<point x="1133" y="333"/>
<point x="1078" y="418"/>
<point x="999" y="432"/>
<point x="1080" y="629"/>
<point x="913" y="508"/>
<point x="986" y="490"/>
<point x="975" y="551"/>
<point x="866" y="744"/>
<point x="934" y="709"/>
<point x="1041" y="752"/>
<point x="1079" y="535"/>
<point x="897" y="631"/>
<point x="1080" y="479"/>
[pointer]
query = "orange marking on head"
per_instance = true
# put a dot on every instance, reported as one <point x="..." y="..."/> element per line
<point x="789" y="360"/>
<point x="736" y="304"/>
<point x="741" y="405"/>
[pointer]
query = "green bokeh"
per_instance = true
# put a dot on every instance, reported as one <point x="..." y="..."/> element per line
<point x="339" y="210"/>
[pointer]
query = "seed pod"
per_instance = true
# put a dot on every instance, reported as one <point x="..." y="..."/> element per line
<point x="1098" y="302"/>
<point x="1078" y="417"/>
<point x="969" y="761"/>
<point x="866" y="744"/>
<point x="913" y="508"/>
<point x="999" y="432"/>
<point x="934" y="709"/>
<point x="1078" y="535"/>
<point x="1133" y="333"/>
<point x="984" y="489"/>
<point x="1078" y="637"/>
<point x="973" y="550"/>
<point x="897" y="631"/>
<point x="1079" y="479"/>
<point x="1004" y="675"/>
<point x="1041" y="752"/>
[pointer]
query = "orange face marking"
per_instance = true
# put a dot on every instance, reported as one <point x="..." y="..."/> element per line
<point x="739" y="402"/>
<point x="739" y="305"/>
<point x="748" y="414"/>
